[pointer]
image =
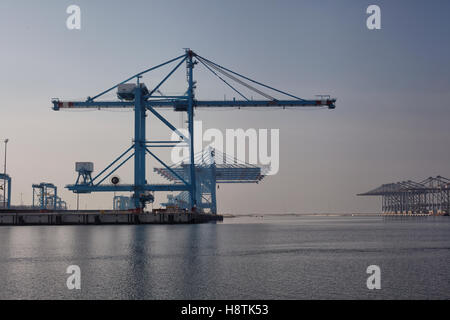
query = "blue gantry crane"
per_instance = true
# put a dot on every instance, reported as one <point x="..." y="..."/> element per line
<point x="138" y="96"/>
<point x="45" y="197"/>
<point x="5" y="195"/>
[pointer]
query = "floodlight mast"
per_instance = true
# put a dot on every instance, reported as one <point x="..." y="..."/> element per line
<point x="143" y="100"/>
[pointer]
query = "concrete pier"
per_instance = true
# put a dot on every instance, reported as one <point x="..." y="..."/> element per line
<point x="27" y="218"/>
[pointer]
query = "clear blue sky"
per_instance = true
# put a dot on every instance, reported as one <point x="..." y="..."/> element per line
<point x="392" y="85"/>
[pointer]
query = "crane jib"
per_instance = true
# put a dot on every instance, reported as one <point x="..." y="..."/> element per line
<point x="179" y="105"/>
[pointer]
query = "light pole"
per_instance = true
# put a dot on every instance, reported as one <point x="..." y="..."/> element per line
<point x="4" y="171"/>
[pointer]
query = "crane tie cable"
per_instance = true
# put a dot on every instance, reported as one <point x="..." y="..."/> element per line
<point x="223" y="80"/>
<point x="246" y="78"/>
<point x="238" y="80"/>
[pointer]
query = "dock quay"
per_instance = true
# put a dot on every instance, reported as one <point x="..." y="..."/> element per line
<point x="102" y="217"/>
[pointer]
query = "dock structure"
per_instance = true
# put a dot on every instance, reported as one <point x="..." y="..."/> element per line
<point x="430" y="197"/>
<point x="104" y="217"/>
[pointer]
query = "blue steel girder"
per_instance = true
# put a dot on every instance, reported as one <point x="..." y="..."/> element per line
<point x="6" y="183"/>
<point x="190" y="110"/>
<point x="126" y="188"/>
<point x="330" y="103"/>
<point x="46" y="195"/>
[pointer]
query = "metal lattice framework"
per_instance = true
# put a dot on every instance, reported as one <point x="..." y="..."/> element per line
<point x="144" y="100"/>
<point x="209" y="173"/>
<point x="45" y="197"/>
<point x="430" y="196"/>
<point x="5" y="185"/>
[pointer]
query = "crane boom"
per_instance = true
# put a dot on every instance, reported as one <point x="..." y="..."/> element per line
<point x="181" y="104"/>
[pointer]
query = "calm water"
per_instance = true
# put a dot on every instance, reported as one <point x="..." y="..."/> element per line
<point x="243" y="258"/>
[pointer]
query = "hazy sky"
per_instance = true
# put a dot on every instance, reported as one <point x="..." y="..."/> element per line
<point x="392" y="86"/>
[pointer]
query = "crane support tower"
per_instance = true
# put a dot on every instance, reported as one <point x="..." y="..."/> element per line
<point x="136" y="95"/>
<point x="5" y="203"/>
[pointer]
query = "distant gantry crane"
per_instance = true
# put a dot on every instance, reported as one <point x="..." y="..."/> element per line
<point x="430" y="196"/>
<point x="138" y="96"/>
<point x="45" y="197"/>
<point x="5" y="194"/>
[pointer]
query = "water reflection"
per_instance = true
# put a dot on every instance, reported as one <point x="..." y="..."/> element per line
<point x="291" y="258"/>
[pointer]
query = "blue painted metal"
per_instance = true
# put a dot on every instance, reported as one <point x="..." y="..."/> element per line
<point x="192" y="180"/>
<point x="135" y="76"/>
<point x="139" y="145"/>
<point x="84" y="177"/>
<point x="167" y="167"/>
<point x="330" y="103"/>
<point x="144" y="100"/>
<point x="126" y="188"/>
<point x="45" y="196"/>
<point x="6" y="184"/>
<point x="112" y="163"/>
<point x="115" y="169"/>
<point x="164" y="80"/>
<point x="167" y="123"/>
